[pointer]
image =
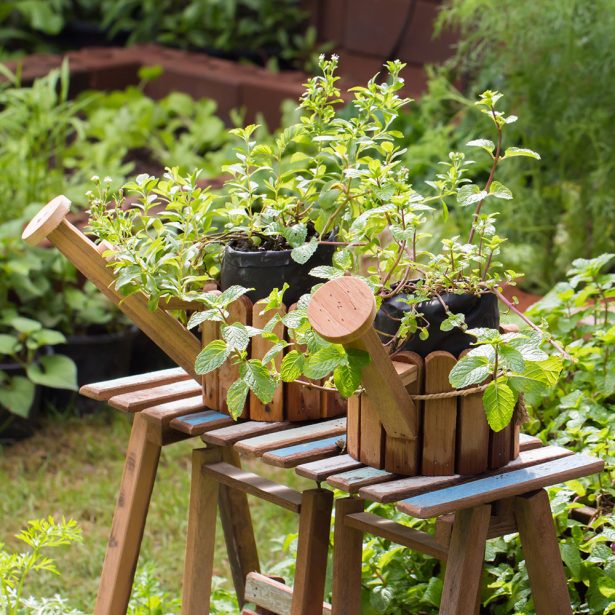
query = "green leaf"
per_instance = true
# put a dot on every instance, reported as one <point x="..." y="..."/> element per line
<point x="48" y="337"/>
<point x="231" y="294"/>
<point x="511" y="358"/>
<point x="236" y="336"/>
<point x="326" y="272"/>
<point x="55" y="371"/>
<point x="520" y="151"/>
<point x="500" y="191"/>
<point x="7" y="344"/>
<point x="25" y="325"/>
<point x="469" y="370"/>
<point x="453" y="321"/>
<point x="295" y="235"/>
<point x="211" y="357"/>
<point x="236" y="397"/>
<point x="485" y="144"/>
<point x="528" y="344"/>
<point x="261" y="383"/>
<point x="499" y="403"/>
<point x="302" y="254"/>
<point x="347" y="379"/>
<point x="469" y="194"/>
<point x="18" y="395"/>
<point x="324" y="361"/>
<point x="292" y="366"/>
<point x="201" y="316"/>
<point x="274" y="351"/>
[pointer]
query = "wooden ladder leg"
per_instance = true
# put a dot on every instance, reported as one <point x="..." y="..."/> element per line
<point x="465" y="561"/>
<point x="312" y="551"/>
<point x="129" y="518"/>
<point x="238" y="530"/>
<point x="542" y="555"/>
<point x="347" y="557"/>
<point x="201" y="536"/>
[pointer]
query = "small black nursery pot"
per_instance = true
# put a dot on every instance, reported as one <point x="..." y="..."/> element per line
<point x="268" y="269"/>
<point x="479" y="311"/>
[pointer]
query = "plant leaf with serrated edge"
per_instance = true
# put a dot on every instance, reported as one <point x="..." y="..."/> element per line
<point x="469" y="370"/>
<point x="520" y="151"/>
<point x="485" y="144"/>
<point x="302" y="254"/>
<point x="292" y="366"/>
<point x="500" y="191"/>
<point x="256" y="376"/>
<point x="236" y="397"/>
<point x="512" y="359"/>
<point x="201" y="316"/>
<point x="499" y="403"/>
<point x="528" y="345"/>
<point x="326" y="272"/>
<point x="324" y="361"/>
<point x="346" y="378"/>
<point x="232" y="293"/>
<point x="236" y="336"/>
<point x="273" y="351"/>
<point x="211" y="357"/>
<point x="469" y="194"/>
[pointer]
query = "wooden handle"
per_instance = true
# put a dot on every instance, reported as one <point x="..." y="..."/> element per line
<point x="164" y="330"/>
<point x="343" y="311"/>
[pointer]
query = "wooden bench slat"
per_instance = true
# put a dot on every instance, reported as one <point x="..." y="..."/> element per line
<point x="400" y="534"/>
<point x="227" y="436"/>
<point x="272" y="595"/>
<point x="136" y="401"/>
<point x="499" y="486"/>
<point x="256" y="485"/>
<point x="405" y="487"/>
<point x="170" y="410"/>
<point x="200" y="422"/>
<point x="353" y="480"/>
<point x="527" y="443"/>
<point x="314" y="431"/>
<point x="406" y="371"/>
<point x="102" y="391"/>
<point x="319" y="470"/>
<point x="290" y="456"/>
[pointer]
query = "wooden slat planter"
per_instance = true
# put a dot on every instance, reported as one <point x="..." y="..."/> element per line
<point x="454" y="437"/>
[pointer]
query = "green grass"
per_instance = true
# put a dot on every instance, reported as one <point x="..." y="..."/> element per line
<point x="73" y="467"/>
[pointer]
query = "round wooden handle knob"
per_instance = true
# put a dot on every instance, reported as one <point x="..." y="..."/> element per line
<point x="342" y="310"/>
<point x="46" y="220"/>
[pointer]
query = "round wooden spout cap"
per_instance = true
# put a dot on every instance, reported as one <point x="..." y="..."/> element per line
<point x="46" y="220"/>
<point x="342" y="310"/>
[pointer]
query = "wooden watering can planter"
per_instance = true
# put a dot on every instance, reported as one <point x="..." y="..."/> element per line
<point x="424" y="427"/>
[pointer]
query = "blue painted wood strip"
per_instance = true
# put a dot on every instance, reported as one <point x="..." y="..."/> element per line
<point x="296" y="449"/>
<point x="502" y="485"/>
<point x="319" y="470"/>
<point x="202" y="418"/>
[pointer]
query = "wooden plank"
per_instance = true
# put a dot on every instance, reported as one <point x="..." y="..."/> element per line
<point x="128" y="523"/>
<point x="320" y="470"/>
<point x="238" y="530"/>
<point x="353" y="426"/>
<point x="261" y="444"/>
<point x="406" y="487"/>
<point x="272" y="595"/>
<point x="239" y="311"/>
<point x="401" y="456"/>
<point x="397" y="533"/>
<point x="529" y="442"/>
<point x="500" y="485"/>
<point x="347" y="559"/>
<point x="472" y="446"/>
<point x="274" y="410"/>
<point x="332" y="404"/>
<point x="500" y="447"/>
<point x="256" y="485"/>
<point x="343" y="311"/>
<point x="312" y="551"/>
<point x="542" y="554"/>
<point x="227" y="436"/>
<point x="102" y="391"/>
<point x="465" y="561"/>
<point x="139" y="400"/>
<point x="200" y="422"/>
<point x="372" y="435"/>
<point x="291" y="456"/>
<point x="210" y="331"/>
<point x="352" y="481"/>
<point x="301" y="403"/>
<point x="201" y="536"/>
<point x="161" y="415"/>
<point x="440" y="417"/>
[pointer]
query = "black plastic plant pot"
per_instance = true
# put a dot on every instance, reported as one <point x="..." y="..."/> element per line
<point x="479" y="311"/>
<point x="98" y="357"/>
<point x="12" y="426"/>
<point x="263" y="271"/>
